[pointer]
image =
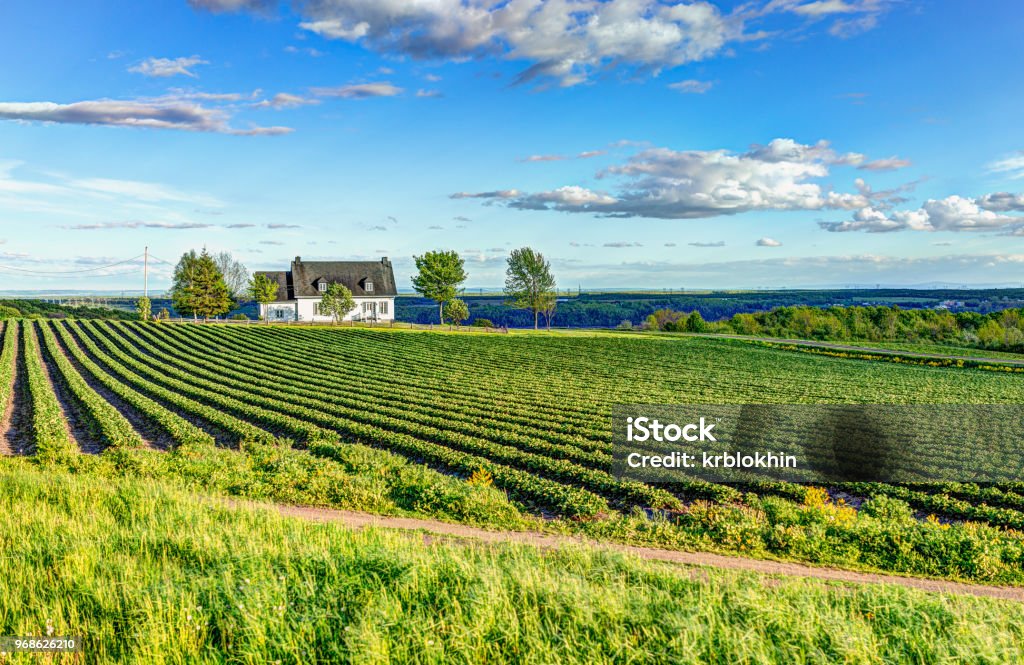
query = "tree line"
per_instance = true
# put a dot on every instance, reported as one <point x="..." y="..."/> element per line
<point x="1002" y="330"/>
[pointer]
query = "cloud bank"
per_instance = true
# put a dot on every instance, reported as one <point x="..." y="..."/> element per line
<point x="565" y="41"/>
<point x="147" y="114"/>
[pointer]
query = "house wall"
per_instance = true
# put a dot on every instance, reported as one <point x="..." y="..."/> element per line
<point x="307" y="309"/>
<point x="279" y="311"/>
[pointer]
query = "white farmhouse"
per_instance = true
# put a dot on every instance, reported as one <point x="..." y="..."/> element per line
<point x="300" y="290"/>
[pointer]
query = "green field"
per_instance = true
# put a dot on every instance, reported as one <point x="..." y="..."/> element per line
<point x="148" y="574"/>
<point x="499" y="431"/>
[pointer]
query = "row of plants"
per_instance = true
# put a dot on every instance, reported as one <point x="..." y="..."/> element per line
<point x="428" y="367"/>
<point x="105" y="421"/>
<point x="288" y="395"/>
<point x="238" y="429"/>
<point x="8" y="360"/>
<point x="50" y="435"/>
<point x="308" y="382"/>
<point x="342" y="368"/>
<point x="521" y="485"/>
<point x="180" y="430"/>
<point x="326" y="351"/>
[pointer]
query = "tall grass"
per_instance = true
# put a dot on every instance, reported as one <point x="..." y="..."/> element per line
<point x="146" y="574"/>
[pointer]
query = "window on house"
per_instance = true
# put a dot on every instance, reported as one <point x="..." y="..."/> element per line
<point x="323" y="287"/>
<point x="366" y="307"/>
<point x="369" y="286"/>
<point x="384" y="307"/>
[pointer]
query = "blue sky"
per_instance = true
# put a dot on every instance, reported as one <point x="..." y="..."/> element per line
<point x="636" y="143"/>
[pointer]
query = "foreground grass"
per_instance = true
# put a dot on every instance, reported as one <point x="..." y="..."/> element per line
<point x="147" y="574"/>
<point x="885" y="536"/>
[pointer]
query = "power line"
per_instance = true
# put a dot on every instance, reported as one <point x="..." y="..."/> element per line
<point x="70" y="272"/>
<point x="157" y="258"/>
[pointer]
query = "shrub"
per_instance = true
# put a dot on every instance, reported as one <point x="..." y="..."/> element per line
<point x="484" y="323"/>
<point x="239" y="317"/>
<point x="887" y="508"/>
<point x="625" y="325"/>
<point x="9" y="312"/>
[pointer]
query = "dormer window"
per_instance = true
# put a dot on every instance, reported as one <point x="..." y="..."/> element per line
<point x="322" y="286"/>
<point x="369" y="286"/>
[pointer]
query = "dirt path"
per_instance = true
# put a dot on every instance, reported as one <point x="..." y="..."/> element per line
<point x="459" y="531"/>
<point x="863" y="349"/>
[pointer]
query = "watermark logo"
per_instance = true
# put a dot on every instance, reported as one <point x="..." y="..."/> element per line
<point x="820" y="443"/>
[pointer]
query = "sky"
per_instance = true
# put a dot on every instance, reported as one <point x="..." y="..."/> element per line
<point x="636" y="143"/>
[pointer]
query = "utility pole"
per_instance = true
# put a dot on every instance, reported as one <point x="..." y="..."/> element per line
<point x="145" y="272"/>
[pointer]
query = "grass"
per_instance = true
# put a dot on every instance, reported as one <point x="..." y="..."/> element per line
<point x="364" y="386"/>
<point x="146" y="574"/>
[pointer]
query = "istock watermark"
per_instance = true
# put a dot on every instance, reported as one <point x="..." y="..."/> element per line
<point x="742" y="443"/>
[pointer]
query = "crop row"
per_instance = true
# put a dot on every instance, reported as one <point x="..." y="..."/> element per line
<point x="8" y="360"/>
<point x="50" y="434"/>
<point x="391" y="367"/>
<point x="311" y="388"/>
<point x="180" y="430"/>
<point x="337" y="370"/>
<point x="523" y="486"/>
<point x="280" y="393"/>
<point x="241" y="431"/>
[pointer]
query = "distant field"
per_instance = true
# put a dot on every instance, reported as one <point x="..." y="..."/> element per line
<point x="496" y="430"/>
<point x="941" y="349"/>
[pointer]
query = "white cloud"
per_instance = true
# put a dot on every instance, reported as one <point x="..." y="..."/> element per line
<point x="284" y="100"/>
<point x="1013" y="166"/>
<point x="886" y="164"/>
<point x="164" y="67"/>
<point x="670" y="184"/>
<point x="429" y="94"/>
<point x="360" y="91"/>
<point x="768" y="242"/>
<point x="692" y="86"/>
<point x="543" y="158"/>
<point x="177" y="226"/>
<point x="1002" y="202"/>
<point x="566" y="41"/>
<point x="141" y="191"/>
<point x="953" y="213"/>
<point x="150" y="114"/>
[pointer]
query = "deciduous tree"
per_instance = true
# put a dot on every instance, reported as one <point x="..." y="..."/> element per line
<point x="528" y="282"/>
<point x="336" y="302"/>
<point x="456" y="311"/>
<point x="144" y="307"/>
<point x="263" y="290"/>
<point x="235" y="274"/>
<point x="439" y="276"/>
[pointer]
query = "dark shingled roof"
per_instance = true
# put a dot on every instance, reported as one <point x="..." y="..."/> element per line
<point x="284" y="286"/>
<point x="303" y="280"/>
